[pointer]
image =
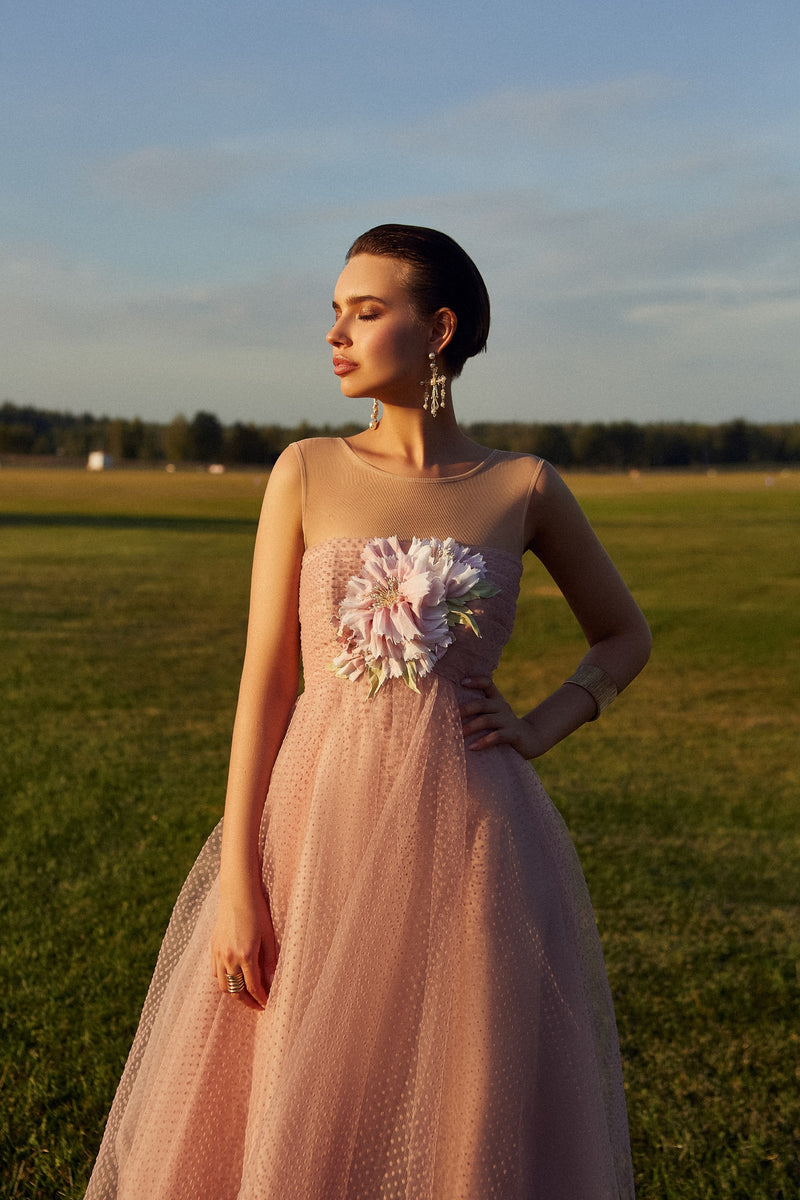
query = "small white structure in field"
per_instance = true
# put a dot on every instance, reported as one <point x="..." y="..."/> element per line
<point x="99" y="461"/>
<point x="216" y="469"/>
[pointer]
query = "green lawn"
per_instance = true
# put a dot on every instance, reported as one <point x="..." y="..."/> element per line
<point x="123" y="602"/>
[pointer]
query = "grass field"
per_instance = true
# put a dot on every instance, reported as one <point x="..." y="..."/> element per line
<point x="123" y="603"/>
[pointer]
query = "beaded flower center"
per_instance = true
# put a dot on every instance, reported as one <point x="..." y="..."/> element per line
<point x="385" y="595"/>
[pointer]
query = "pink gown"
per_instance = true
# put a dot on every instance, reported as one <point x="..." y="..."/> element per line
<point x="440" y="1025"/>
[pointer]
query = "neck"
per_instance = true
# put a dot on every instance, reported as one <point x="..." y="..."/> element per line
<point x="411" y="437"/>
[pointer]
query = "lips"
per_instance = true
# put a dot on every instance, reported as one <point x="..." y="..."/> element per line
<point x="342" y="366"/>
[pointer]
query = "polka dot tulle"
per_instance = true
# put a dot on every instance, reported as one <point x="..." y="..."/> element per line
<point x="440" y="1025"/>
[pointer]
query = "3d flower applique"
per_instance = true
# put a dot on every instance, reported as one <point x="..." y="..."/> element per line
<point x="397" y="617"/>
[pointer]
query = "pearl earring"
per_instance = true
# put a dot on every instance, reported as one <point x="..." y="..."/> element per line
<point x="435" y="388"/>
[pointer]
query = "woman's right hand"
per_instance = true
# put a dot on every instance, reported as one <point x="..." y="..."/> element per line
<point x="244" y="940"/>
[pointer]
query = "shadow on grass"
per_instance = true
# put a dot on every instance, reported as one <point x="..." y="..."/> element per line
<point x="127" y="521"/>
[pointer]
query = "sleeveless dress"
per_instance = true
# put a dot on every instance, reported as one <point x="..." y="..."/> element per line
<point x="440" y="1024"/>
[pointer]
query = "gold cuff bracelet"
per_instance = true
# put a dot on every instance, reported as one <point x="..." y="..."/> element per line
<point x="598" y="683"/>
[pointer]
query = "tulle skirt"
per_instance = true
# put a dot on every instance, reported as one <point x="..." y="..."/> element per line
<point x="440" y="1024"/>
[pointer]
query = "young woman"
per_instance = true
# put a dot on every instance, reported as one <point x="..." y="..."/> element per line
<point x="407" y="995"/>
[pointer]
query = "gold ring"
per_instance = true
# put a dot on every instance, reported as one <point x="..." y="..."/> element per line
<point x="235" y="982"/>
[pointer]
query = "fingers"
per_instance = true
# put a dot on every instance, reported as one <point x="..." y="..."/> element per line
<point x="484" y="711"/>
<point x="495" y="738"/>
<point x="254" y="984"/>
<point x="243" y="949"/>
<point x="487" y="699"/>
<point x="270" y="955"/>
<point x="491" y="724"/>
<point x="488" y="719"/>
<point x="257" y="972"/>
<point x="480" y="683"/>
<point x="486" y="733"/>
<point x="475" y="714"/>
<point x="252" y="994"/>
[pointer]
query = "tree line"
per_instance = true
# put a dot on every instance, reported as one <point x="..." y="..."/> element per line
<point x="615" y="445"/>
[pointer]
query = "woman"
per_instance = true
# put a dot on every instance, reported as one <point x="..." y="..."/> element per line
<point x="407" y="996"/>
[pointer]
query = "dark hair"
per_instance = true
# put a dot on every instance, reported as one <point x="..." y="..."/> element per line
<point x="442" y="275"/>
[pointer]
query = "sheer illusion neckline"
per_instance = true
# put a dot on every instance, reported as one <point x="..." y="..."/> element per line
<point x="490" y="457"/>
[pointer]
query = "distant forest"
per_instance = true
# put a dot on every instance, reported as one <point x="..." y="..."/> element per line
<point x="614" y="445"/>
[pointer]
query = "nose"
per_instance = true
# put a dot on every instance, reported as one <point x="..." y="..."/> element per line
<point x="336" y="335"/>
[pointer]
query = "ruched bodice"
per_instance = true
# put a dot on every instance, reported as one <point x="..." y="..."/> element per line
<point x="329" y="565"/>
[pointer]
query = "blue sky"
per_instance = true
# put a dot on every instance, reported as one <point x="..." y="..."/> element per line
<point x="179" y="184"/>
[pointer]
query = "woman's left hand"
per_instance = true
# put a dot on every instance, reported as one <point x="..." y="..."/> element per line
<point x="491" y="717"/>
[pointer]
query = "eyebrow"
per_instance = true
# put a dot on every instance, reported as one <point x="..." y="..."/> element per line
<point x="351" y="301"/>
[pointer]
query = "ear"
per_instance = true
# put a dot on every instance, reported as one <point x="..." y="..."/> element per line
<point x="443" y="327"/>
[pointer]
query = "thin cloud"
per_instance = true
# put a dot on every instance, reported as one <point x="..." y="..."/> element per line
<point x="43" y="294"/>
<point x="751" y="313"/>
<point x="164" y="178"/>
<point x="554" y="117"/>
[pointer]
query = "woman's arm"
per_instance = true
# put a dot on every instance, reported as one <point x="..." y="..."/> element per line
<point x="243" y="937"/>
<point x="617" y="633"/>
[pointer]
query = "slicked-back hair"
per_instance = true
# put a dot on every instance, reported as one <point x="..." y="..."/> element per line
<point x="440" y="275"/>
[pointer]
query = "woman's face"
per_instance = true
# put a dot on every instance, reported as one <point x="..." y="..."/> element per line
<point x="380" y="345"/>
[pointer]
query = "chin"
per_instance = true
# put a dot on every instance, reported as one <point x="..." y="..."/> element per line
<point x="352" y="392"/>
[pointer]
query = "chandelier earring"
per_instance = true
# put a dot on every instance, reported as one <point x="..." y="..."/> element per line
<point x="434" y="388"/>
<point x="373" y="420"/>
